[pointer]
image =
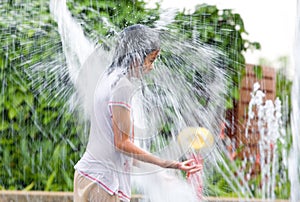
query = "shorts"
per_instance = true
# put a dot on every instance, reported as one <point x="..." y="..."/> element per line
<point x="86" y="190"/>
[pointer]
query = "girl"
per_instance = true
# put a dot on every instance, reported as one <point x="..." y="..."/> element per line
<point x="103" y="172"/>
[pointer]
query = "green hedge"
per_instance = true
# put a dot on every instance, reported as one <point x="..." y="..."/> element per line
<point x="41" y="139"/>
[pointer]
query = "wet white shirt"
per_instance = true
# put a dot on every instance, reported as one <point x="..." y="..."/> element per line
<point x="101" y="162"/>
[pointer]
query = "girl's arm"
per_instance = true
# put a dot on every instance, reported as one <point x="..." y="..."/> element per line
<point x="121" y="128"/>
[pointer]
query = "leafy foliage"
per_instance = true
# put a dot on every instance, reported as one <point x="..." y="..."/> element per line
<point x="39" y="137"/>
<point x="103" y="18"/>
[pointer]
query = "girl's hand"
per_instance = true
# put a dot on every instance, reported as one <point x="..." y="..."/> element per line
<point x="188" y="166"/>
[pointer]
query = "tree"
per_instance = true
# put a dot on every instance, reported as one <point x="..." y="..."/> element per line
<point x="223" y="30"/>
<point x="103" y="18"/>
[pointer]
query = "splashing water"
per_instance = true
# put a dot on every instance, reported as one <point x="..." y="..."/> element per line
<point x="85" y="62"/>
<point x="170" y="94"/>
<point x="271" y="131"/>
<point x="76" y="47"/>
<point x="184" y="92"/>
<point x="168" y="101"/>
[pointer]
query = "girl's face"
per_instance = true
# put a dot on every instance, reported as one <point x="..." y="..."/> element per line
<point x="137" y="70"/>
<point x="148" y="62"/>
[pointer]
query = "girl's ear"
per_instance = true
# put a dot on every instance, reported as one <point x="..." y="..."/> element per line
<point x="156" y="52"/>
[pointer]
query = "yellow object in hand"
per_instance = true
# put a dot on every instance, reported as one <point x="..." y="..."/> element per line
<point x="196" y="137"/>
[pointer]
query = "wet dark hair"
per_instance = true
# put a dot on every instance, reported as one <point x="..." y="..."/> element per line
<point x="133" y="45"/>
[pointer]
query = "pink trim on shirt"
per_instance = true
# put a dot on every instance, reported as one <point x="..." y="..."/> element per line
<point x="120" y="193"/>
<point x="96" y="180"/>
